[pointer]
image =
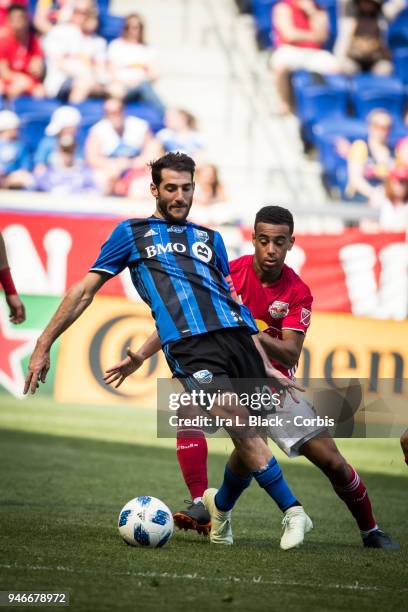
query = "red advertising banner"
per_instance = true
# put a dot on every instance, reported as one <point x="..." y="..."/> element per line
<point x="365" y="274"/>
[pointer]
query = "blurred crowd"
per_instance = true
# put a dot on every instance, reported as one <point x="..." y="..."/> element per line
<point x="342" y="67"/>
<point x="79" y="112"/>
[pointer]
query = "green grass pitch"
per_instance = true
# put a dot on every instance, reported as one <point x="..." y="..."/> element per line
<point x="66" y="471"/>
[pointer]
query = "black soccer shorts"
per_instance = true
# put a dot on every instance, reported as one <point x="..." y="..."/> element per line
<point x="216" y="360"/>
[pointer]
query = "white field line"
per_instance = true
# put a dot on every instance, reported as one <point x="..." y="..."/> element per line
<point x="227" y="579"/>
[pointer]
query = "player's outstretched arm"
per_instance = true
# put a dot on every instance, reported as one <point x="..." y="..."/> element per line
<point x="133" y="361"/>
<point x="72" y="306"/>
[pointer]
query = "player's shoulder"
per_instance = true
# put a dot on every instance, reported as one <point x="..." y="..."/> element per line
<point x="298" y="286"/>
<point x="241" y="263"/>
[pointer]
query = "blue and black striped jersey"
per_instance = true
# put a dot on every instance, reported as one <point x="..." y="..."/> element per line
<point x="180" y="271"/>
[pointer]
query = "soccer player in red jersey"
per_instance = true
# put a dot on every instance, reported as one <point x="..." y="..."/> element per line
<point x="281" y="303"/>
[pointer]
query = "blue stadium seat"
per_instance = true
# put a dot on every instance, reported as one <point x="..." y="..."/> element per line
<point x="146" y="112"/>
<point x="398" y="31"/>
<point x="110" y="26"/>
<point x="28" y="105"/>
<point x="370" y="92"/>
<point x="331" y="7"/>
<point x="400" y="57"/>
<point x="91" y="110"/>
<point x="317" y="102"/>
<point x="32" y="129"/>
<point x="262" y="10"/>
<point x="31" y="6"/>
<point x="326" y="134"/>
<point x="103" y="6"/>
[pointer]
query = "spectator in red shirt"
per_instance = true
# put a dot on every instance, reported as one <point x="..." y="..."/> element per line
<point x="21" y="58"/>
<point x="4" y="6"/>
<point x="301" y="30"/>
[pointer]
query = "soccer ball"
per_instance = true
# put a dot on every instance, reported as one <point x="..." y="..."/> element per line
<point x="146" y="521"/>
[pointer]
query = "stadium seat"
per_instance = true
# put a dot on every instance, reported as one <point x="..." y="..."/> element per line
<point x="317" y="102"/>
<point x="146" y="112"/>
<point x="103" y="6"/>
<point x="398" y="31"/>
<point x="370" y="92"/>
<point x="91" y="110"/>
<point x="334" y="167"/>
<point x="31" y="6"/>
<point x="26" y="105"/>
<point x="32" y="129"/>
<point x="400" y="57"/>
<point x="262" y="10"/>
<point x="110" y="26"/>
<point x="331" y="8"/>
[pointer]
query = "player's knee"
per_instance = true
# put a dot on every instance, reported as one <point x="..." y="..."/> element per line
<point x="336" y="465"/>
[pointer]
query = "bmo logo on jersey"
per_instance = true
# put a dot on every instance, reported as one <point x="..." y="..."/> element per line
<point x="199" y="249"/>
<point x="162" y="249"/>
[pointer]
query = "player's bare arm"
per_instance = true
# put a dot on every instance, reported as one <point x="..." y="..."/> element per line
<point x="134" y="360"/>
<point x="16" y="306"/>
<point x="72" y="306"/>
<point x="290" y="385"/>
<point x="286" y="351"/>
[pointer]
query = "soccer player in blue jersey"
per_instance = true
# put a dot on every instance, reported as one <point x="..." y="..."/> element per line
<point x="181" y="271"/>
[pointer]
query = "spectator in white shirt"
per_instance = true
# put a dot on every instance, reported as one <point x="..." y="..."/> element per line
<point x="76" y="57"/>
<point x="132" y="65"/>
<point x="117" y="145"/>
<point x="180" y="133"/>
<point x="391" y="201"/>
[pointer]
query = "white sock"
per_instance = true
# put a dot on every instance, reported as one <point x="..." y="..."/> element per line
<point x="197" y="500"/>
<point x="364" y="534"/>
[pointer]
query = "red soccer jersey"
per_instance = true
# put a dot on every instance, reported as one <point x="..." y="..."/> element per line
<point x="284" y="305"/>
<point x="17" y="55"/>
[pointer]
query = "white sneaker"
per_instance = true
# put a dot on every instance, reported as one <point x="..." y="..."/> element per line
<point x="221" y="532"/>
<point x="296" y="523"/>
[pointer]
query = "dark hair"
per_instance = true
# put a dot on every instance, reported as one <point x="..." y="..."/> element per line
<point x="180" y="162"/>
<point x="275" y="215"/>
<point x="16" y="7"/>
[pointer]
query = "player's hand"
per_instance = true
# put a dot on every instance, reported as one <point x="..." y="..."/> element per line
<point x="17" y="310"/>
<point x="37" y="369"/>
<point x="284" y="382"/>
<point x="123" y="369"/>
